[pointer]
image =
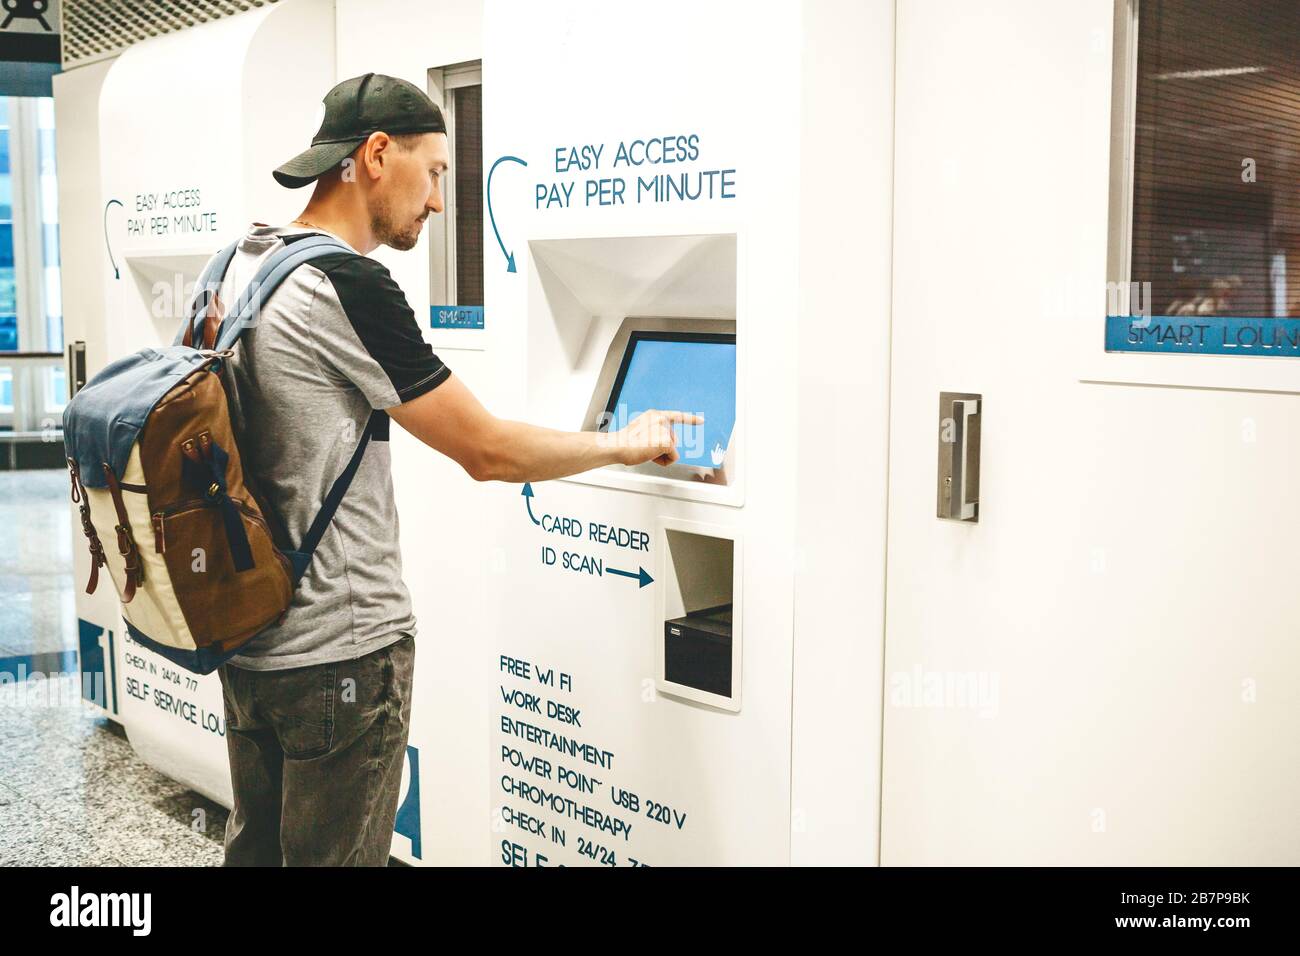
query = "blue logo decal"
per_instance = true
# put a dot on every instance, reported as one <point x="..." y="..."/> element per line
<point x="96" y="664"/>
<point x="456" y="316"/>
<point x="408" y="814"/>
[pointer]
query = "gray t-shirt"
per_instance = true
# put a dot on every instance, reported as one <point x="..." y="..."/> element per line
<point x="334" y="342"/>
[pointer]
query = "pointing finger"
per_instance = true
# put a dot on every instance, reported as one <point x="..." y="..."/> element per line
<point x="684" y="418"/>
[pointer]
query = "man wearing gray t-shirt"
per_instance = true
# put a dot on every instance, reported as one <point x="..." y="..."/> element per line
<point x="317" y="707"/>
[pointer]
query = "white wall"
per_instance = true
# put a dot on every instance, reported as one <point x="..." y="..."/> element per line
<point x="1135" y="550"/>
<point x="846" y="226"/>
<point x="83" y="259"/>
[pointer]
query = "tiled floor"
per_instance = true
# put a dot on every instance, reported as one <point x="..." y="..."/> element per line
<point x="72" y="791"/>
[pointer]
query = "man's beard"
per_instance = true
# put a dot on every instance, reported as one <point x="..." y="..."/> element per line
<point x="389" y="232"/>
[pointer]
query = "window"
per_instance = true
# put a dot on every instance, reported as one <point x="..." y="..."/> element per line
<point x="456" y="253"/>
<point x="467" y="173"/>
<point x="1206" y="193"/>
<point x="32" y="388"/>
<point x="8" y="296"/>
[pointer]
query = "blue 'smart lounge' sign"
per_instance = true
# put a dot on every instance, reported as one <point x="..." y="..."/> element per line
<point x="1203" y="335"/>
<point x="456" y="316"/>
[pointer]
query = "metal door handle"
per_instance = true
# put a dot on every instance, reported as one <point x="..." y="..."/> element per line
<point x="959" y="455"/>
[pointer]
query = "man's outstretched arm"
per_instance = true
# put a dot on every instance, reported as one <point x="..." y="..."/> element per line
<point x="451" y="420"/>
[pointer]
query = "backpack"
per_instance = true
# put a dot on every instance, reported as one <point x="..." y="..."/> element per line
<point x="155" y="468"/>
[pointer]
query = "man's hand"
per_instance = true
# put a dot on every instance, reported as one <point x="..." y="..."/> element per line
<point x="650" y="437"/>
<point x="451" y="420"/>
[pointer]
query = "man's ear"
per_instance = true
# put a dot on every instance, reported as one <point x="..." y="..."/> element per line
<point x="375" y="153"/>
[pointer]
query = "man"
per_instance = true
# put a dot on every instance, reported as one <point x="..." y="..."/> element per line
<point x="317" y="707"/>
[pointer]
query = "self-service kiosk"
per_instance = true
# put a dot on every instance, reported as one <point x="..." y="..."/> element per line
<point x="630" y="666"/>
<point x="692" y="692"/>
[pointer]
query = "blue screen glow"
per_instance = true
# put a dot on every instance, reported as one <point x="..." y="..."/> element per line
<point x="685" y="376"/>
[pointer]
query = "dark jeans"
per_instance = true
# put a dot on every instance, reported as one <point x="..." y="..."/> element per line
<point x="316" y="756"/>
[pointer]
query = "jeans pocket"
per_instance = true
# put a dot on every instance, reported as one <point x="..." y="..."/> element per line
<point x="300" y="704"/>
<point x="367" y="687"/>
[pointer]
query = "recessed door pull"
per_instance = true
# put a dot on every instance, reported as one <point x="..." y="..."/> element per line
<point x="959" y="455"/>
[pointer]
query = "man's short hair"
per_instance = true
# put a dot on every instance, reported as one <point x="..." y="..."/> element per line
<point x="407" y="141"/>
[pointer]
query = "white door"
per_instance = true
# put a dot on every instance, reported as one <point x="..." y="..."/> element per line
<point x="1105" y="668"/>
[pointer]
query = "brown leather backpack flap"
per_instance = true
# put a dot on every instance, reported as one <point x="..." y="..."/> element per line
<point x="181" y="448"/>
<point x="195" y="411"/>
<point x="222" y="605"/>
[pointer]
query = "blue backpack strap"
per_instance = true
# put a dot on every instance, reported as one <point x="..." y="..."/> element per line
<point x="207" y="285"/>
<point x="301" y="559"/>
<point x="270" y="274"/>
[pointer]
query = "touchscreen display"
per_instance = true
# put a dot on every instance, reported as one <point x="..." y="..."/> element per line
<point x="688" y="372"/>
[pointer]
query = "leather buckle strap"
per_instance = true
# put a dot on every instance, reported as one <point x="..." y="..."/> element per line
<point x="125" y="541"/>
<point x="97" y="558"/>
<point x="87" y="528"/>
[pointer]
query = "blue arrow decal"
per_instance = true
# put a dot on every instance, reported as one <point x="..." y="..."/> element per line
<point x="510" y="256"/>
<point x="528" y="497"/>
<point x="639" y="576"/>
<point x="107" y="244"/>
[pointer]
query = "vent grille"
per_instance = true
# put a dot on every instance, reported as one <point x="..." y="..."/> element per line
<point x="95" y="29"/>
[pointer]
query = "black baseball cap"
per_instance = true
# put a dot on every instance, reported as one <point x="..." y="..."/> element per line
<point x="354" y="109"/>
